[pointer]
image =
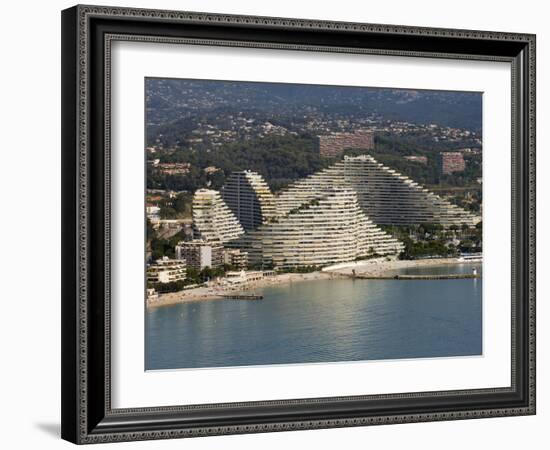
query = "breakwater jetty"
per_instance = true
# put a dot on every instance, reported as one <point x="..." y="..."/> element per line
<point x="243" y="296"/>
<point x="417" y="277"/>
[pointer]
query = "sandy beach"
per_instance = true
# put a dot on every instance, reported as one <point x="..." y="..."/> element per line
<point x="378" y="267"/>
<point x="374" y="267"/>
<point x="216" y="291"/>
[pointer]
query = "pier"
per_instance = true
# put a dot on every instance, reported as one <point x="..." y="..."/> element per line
<point x="417" y="277"/>
<point x="243" y="296"/>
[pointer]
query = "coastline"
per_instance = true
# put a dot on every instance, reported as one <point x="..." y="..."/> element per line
<point x="381" y="267"/>
<point x="216" y="292"/>
<point x="374" y="268"/>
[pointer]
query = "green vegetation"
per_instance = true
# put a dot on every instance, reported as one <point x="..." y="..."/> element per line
<point x="195" y="276"/>
<point x="190" y="182"/>
<point x="267" y="265"/>
<point x="365" y="257"/>
<point x="279" y="159"/>
<point x="414" y="250"/>
<point x="163" y="247"/>
<point x="150" y="231"/>
<point x="415" y="143"/>
<point x="432" y="240"/>
<point x="163" y="288"/>
<point x="172" y="132"/>
<point x="177" y="208"/>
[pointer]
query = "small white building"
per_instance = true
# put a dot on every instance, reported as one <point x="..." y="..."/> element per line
<point x="243" y="276"/>
<point x="152" y="295"/>
<point x="152" y="212"/>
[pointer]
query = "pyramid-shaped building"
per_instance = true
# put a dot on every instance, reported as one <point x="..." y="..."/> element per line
<point x="385" y="196"/>
<point x="213" y="221"/>
<point x="248" y="196"/>
<point x="329" y="228"/>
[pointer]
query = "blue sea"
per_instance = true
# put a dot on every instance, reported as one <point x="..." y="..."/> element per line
<point x="322" y="321"/>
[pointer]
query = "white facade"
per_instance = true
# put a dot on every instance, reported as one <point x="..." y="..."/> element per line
<point x="166" y="270"/>
<point x="244" y="276"/>
<point x="386" y="196"/>
<point x="152" y="212"/>
<point x="213" y="221"/>
<point x="328" y="229"/>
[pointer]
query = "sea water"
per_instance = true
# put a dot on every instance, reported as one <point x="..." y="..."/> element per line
<point x="323" y="321"/>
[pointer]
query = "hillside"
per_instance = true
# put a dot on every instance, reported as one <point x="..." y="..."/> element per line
<point x="170" y="100"/>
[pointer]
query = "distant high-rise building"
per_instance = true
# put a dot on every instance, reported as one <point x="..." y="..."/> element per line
<point x="335" y="144"/>
<point x="213" y="221"/>
<point x="386" y="196"/>
<point x="451" y="162"/>
<point x="249" y="198"/>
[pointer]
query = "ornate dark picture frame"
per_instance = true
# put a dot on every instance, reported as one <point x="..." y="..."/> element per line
<point x="87" y="34"/>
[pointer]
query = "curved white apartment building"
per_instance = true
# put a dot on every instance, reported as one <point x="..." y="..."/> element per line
<point x="213" y="221"/>
<point x="386" y="196"/>
<point x="248" y="196"/>
<point x="327" y="229"/>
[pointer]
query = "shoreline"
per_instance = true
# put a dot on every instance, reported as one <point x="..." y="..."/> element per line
<point x="382" y="267"/>
<point x="374" y="268"/>
<point x="216" y="292"/>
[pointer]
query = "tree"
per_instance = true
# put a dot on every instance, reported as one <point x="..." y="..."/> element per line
<point x="150" y="233"/>
<point x="279" y="159"/>
<point x="192" y="275"/>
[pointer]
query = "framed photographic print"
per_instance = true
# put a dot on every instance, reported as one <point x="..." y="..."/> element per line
<point x="280" y="224"/>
